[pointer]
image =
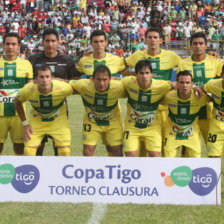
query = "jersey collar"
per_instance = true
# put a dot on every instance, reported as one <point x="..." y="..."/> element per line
<point x="197" y="61"/>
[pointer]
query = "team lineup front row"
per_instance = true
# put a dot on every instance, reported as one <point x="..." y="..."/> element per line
<point x="148" y="100"/>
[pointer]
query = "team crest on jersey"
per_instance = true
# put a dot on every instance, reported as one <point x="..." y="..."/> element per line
<point x="144" y="98"/>
<point x="46" y="104"/>
<point x="183" y="110"/>
<point x="10" y="72"/>
<point x="99" y="102"/>
<point x="153" y="65"/>
<point x="88" y="66"/>
<point x="199" y="73"/>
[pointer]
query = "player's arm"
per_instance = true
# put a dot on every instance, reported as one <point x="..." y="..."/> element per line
<point x="20" y="110"/>
<point x="127" y="72"/>
<point x="75" y="86"/>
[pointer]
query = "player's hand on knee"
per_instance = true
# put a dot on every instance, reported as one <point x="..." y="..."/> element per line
<point x="27" y="131"/>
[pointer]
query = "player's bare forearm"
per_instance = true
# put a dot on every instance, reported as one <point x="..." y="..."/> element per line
<point x="127" y="72"/>
<point x="19" y="109"/>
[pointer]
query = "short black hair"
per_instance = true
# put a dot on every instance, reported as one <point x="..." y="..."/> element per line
<point x="184" y="73"/>
<point x="12" y="34"/>
<point x="50" y="31"/>
<point x="198" y="35"/>
<point x="102" y="69"/>
<point x="97" y="33"/>
<point x="44" y="68"/>
<point x="141" y="64"/>
<point x="153" y="29"/>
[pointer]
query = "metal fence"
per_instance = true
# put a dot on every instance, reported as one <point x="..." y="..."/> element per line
<point x="182" y="48"/>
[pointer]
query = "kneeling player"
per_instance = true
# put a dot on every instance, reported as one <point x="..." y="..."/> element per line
<point x="182" y="125"/>
<point x="48" y="113"/>
<point x="142" y="120"/>
<point x="102" y="116"/>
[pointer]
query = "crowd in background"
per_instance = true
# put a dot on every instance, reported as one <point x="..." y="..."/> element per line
<point x="124" y="21"/>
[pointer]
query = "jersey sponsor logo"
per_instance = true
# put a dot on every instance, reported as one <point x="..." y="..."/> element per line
<point x="99" y="116"/>
<point x="8" y="96"/>
<point x="1" y="69"/>
<point x="88" y="96"/>
<point x="51" y="63"/>
<point x="172" y="105"/>
<point x="133" y="91"/>
<point x="38" y="65"/>
<point x="219" y="115"/>
<point x="186" y="130"/>
<point x="215" y="96"/>
<point x="9" y="82"/>
<point x="34" y="101"/>
<point x="143" y="117"/>
<point x="88" y="66"/>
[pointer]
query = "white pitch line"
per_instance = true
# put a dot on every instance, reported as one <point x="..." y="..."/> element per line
<point x="98" y="212"/>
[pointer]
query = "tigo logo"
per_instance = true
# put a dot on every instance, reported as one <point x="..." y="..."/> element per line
<point x="204" y="181"/>
<point x="201" y="181"/>
<point x="23" y="178"/>
<point x="26" y="178"/>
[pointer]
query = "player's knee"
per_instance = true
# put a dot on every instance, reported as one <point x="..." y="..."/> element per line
<point x="18" y="149"/>
<point x="63" y="151"/>
<point x="131" y="154"/>
<point x="116" y="150"/>
<point x="153" y="154"/>
<point x="88" y="150"/>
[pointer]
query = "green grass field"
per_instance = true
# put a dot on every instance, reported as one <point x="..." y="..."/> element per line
<point x="67" y="213"/>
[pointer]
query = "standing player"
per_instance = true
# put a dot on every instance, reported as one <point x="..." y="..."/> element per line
<point x="142" y="121"/>
<point x="102" y="116"/>
<point x="182" y="127"/>
<point x="163" y="62"/>
<point x="203" y="67"/>
<point x="88" y="64"/>
<point x="61" y="65"/>
<point x="48" y="112"/>
<point x="216" y="124"/>
<point x="14" y="74"/>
